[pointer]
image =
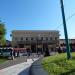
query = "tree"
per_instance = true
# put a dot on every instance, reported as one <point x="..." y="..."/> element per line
<point x="2" y="33"/>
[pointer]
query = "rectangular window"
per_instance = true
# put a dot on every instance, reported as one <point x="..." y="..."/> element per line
<point x="41" y="38"/>
<point x="21" y="38"/>
<point x="46" y="38"/>
<point x="55" y="38"/>
<point x="50" y="38"/>
<point x="26" y="38"/>
<point x="32" y="38"/>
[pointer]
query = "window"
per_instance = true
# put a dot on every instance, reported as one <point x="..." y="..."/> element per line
<point x="26" y="38"/>
<point x="55" y="38"/>
<point x="46" y="38"/>
<point x="21" y="38"/>
<point x="41" y="38"/>
<point x="31" y="38"/>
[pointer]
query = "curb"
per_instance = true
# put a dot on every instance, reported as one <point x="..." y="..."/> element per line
<point x="36" y="68"/>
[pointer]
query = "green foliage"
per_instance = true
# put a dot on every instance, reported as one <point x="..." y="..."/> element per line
<point x="2" y="29"/>
<point x="59" y="65"/>
<point x="2" y="33"/>
<point x="3" y="41"/>
<point x="2" y="60"/>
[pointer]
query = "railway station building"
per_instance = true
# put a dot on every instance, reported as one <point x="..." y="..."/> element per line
<point x="35" y="39"/>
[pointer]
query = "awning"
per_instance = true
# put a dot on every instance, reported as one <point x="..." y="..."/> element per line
<point x="19" y="49"/>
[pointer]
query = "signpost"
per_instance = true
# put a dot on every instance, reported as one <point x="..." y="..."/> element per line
<point x="65" y="30"/>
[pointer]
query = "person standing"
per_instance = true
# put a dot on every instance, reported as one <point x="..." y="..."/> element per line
<point x="28" y="52"/>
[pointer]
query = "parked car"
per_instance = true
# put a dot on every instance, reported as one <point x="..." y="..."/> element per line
<point x="5" y="52"/>
<point x="0" y="51"/>
<point x="23" y="53"/>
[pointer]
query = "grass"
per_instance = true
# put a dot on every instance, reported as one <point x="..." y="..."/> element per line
<point x="2" y="60"/>
<point x="59" y="65"/>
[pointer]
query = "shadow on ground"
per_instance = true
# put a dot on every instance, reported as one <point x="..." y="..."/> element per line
<point x="24" y="72"/>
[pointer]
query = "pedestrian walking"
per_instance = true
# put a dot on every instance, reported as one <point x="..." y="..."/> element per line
<point x="28" y="52"/>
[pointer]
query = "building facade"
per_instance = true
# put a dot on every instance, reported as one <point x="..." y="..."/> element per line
<point x="62" y="41"/>
<point x="62" y="44"/>
<point x="35" y="39"/>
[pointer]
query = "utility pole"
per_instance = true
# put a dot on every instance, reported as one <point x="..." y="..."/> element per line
<point x="65" y="30"/>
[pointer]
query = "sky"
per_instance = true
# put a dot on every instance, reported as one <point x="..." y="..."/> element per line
<point x="37" y="15"/>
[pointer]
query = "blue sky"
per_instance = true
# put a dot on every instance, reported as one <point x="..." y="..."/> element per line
<point x="36" y="15"/>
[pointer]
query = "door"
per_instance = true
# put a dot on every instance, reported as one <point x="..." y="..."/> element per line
<point x="33" y="48"/>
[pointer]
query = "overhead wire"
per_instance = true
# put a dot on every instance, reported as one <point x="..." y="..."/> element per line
<point x="66" y="20"/>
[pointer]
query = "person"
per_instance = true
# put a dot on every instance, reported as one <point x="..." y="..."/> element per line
<point x="46" y="52"/>
<point x="12" y="54"/>
<point x="28" y="52"/>
<point x="59" y="50"/>
<point x="18" y="53"/>
<point x="38" y="52"/>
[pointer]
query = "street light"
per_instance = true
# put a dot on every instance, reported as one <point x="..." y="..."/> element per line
<point x="65" y="30"/>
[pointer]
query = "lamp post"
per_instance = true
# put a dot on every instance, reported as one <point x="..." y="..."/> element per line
<point x="65" y="30"/>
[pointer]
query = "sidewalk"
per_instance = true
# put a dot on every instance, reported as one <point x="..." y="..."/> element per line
<point x="13" y="62"/>
<point x="19" y="69"/>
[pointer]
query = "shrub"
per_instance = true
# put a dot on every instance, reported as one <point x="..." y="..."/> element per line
<point x="59" y="65"/>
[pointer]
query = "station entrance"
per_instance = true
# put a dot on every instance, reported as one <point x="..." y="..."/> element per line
<point x="33" y="48"/>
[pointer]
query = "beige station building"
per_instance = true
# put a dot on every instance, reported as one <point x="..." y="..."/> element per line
<point x="35" y="39"/>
